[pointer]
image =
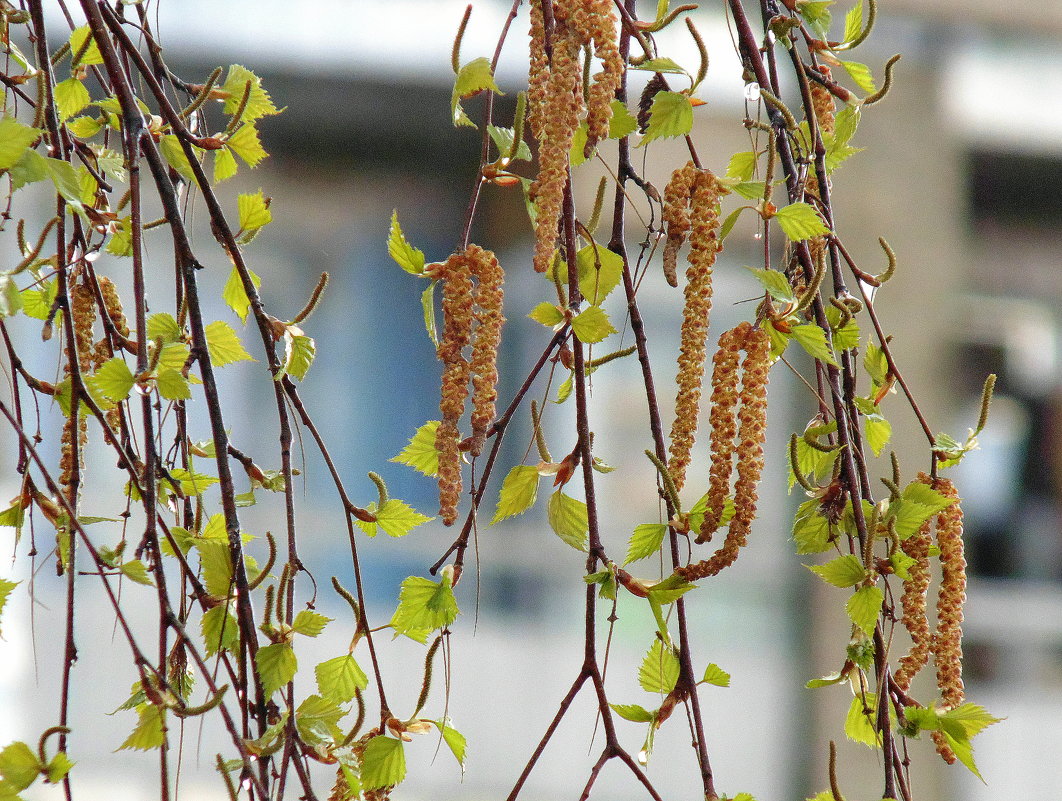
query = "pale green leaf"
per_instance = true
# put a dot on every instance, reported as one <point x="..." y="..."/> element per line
<point x="622" y="122"/>
<point x="309" y="623"/>
<point x="454" y="740"/>
<point x="861" y="74"/>
<point x="592" y="325"/>
<point x="863" y="607"/>
<point x="879" y="431"/>
<point x="383" y="763"/>
<point x="148" y="733"/>
<point x="340" y="678"/>
<point x="235" y="296"/>
<point x="113" y="380"/>
<point x="220" y="630"/>
<point x="811" y="530"/>
<point x="876" y="364"/>
<point x="10" y="297"/>
<point x="503" y="141"/>
<point x="645" y="541"/>
<point x="633" y="712"/>
<point x="775" y="284"/>
<point x="800" y="221"/>
<point x="844" y="571"/>
<point x="853" y="22"/>
<point x="665" y="65"/>
<point x="547" y="313"/>
<point x="420" y="453"/>
<point x="14" y="139"/>
<point x="474" y="77"/>
<point x="174" y="356"/>
<point x="425" y="605"/>
<point x="259" y="104"/>
<point x="817" y="14"/>
<point x="163" y="326"/>
<point x="276" y="665"/>
<point x="659" y="671"/>
<point x="216" y="562"/>
<point x="670" y="589"/>
<point x="577" y="152"/>
<point x="730" y="222"/>
<point x="59" y="767"/>
<point x="518" y="492"/>
<point x="671" y="115"/>
<point x="224" y="344"/>
<point x="7" y="586"/>
<point x="923" y="494"/>
<point x="600" y="271"/>
<point x="19" y="766"/>
<point x="225" y="165"/>
<point x="170" y="147"/>
<point x="750" y="190"/>
<point x="564" y="391"/>
<point x="254" y="210"/>
<point x="92" y="53"/>
<point x="246" y="144"/>
<point x="395" y="517"/>
<point x="714" y="674"/>
<point x="427" y="302"/>
<point x="407" y="257"/>
<point x="316" y="720"/>
<point x="907" y="516"/>
<point x="859" y="723"/>
<point x="825" y="681"/>
<point x="66" y="182"/>
<point x="813" y="339"/>
<point x="299" y="352"/>
<point x="136" y="570"/>
<point x="71" y="96"/>
<point x="568" y="519"/>
<point x="966" y="721"/>
<point x="742" y="166"/>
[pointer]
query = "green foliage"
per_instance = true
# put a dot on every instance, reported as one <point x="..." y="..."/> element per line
<point x="420" y="453"/>
<point x="424" y="606"/>
<point x="383" y="763"/>
<point x="340" y="678"/>
<point x="19" y="766"/>
<point x="633" y="713"/>
<point x="800" y="221"/>
<point x="474" y="77"/>
<point x="395" y="518"/>
<point x="567" y="517"/>
<point x="713" y="674"/>
<point x="518" y="492"/>
<point x="309" y="623"/>
<point x="405" y="255"/>
<point x="645" y="541"/>
<point x="224" y="345"/>
<point x="149" y="733"/>
<point x="671" y="115"/>
<point x="592" y="325"/>
<point x="863" y="607"/>
<point x="844" y="571"/>
<point x="276" y="665"/>
<point x="659" y="671"/>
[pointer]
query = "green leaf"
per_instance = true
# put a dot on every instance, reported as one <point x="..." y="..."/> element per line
<point x="136" y="570"/>
<point x="659" y="671"/>
<point x="19" y="766"/>
<point x="742" y="166"/>
<point x="813" y="340"/>
<point x="383" y="762"/>
<point x="474" y="77"/>
<point x="225" y="165"/>
<point x="170" y="147"/>
<point x="859" y="723"/>
<point x="235" y="296"/>
<point x="66" y="182"/>
<point x="173" y="356"/>
<point x="811" y="531"/>
<point x="246" y="144"/>
<point x="645" y="541"/>
<point x="592" y="325"/>
<point x="14" y="139"/>
<point x="503" y="140"/>
<point x="163" y="326"/>
<point x="547" y="313"/>
<point x="622" y="123"/>
<point x="670" y="589"/>
<point x="425" y="605"/>
<point x="879" y="431"/>
<point x="10" y="297"/>
<point x="220" y="630"/>
<point x="37" y="303"/>
<point x="113" y="380"/>
<point x="340" y="678"/>
<point x="845" y="124"/>
<point x="714" y="674"/>
<point x="751" y="190"/>
<point x="844" y="571"/>
<point x="59" y="767"/>
<point x="876" y="364"/>
<point x="92" y="53"/>
<point x="730" y="222"/>
<point x="407" y="257"/>
<point x="633" y="712"/>
<point x="665" y="65"/>
<point x="577" y="152"/>
<point x="316" y="720"/>
<point x="853" y="22"/>
<point x="966" y="721"/>
<point x="600" y="271"/>
<point x="817" y="14"/>
<point x="863" y="607"/>
<point x="276" y="666"/>
<point x="254" y="211"/>
<point x="395" y="517"/>
<point x="907" y="516"/>
<point x="825" y="681"/>
<point x="454" y="739"/>
<point x="216" y="561"/>
<point x="299" y="353"/>
<point x="224" y="344"/>
<point x="923" y="494"/>
<point x="800" y="221"/>
<point x="518" y="492"/>
<point x="71" y="96"/>
<point x="420" y="453"/>
<point x="172" y="385"/>
<point x="7" y="586"/>
<point x="671" y="115"/>
<point x="148" y="733"/>
<point x="963" y="750"/>
<point x="775" y="284"/>
<point x="259" y="104"/>
<point x="861" y="74"/>
<point x="567" y="517"/>
<point x="564" y="391"/>
<point x="427" y="301"/>
<point x="309" y="623"/>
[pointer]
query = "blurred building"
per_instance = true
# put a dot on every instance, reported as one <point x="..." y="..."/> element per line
<point x="961" y="174"/>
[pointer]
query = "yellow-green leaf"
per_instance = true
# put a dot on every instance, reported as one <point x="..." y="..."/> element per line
<point x="518" y="492"/>
<point x="568" y="519"/>
<point x="547" y="313"/>
<point x="224" y="345"/>
<point x="800" y="221"/>
<point x="407" y="257"/>
<point x="71" y="96"/>
<point x="861" y="74"/>
<point x="259" y="103"/>
<point x="299" y="352"/>
<point x="113" y="380"/>
<point x="671" y="115"/>
<point x="136" y="570"/>
<point x="254" y="210"/>
<point x="148" y="733"/>
<point x="425" y="605"/>
<point x="340" y="678"/>
<point x="235" y="296"/>
<point x="246" y="144"/>
<point x="309" y="623"/>
<point x="645" y="541"/>
<point x="659" y="671"/>
<point x="19" y="766"/>
<point x="170" y="147"/>
<point x="220" y="630"/>
<point x="622" y="123"/>
<point x="713" y="674"/>
<point x="592" y="325"/>
<point x="383" y="763"/>
<point x="863" y="607"/>
<point x="224" y="165"/>
<point x="92" y="53"/>
<point x="420" y="453"/>
<point x="14" y="139"/>
<point x="844" y="571"/>
<point x="474" y="77"/>
<point x="276" y="666"/>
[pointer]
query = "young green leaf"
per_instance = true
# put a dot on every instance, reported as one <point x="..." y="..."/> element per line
<point x="163" y="326"/>
<point x="671" y="115"/>
<point x="622" y="122"/>
<point x="665" y="65"/>
<point x="135" y="570"/>
<point x="235" y="296"/>
<point x="859" y="723"/>
<point x="633" y="712"/>
<point x="427" y="302"/>
<point x="659" y="671"/>
<point x="864" y="606"/>
<point x="259" y="103"/>
<point x="383" y="763"/>
<point x="861" y="74"/>
<point x="220" y="630"/>
<point x="503" y="141"/>
<point x="567" y="517"/>
<point x="395" y="517"/>
<point x="148" y="733"/>
<point x="813" y="339"/>
<point x="742" y="166"/>
<point x="113" y="380"/>
<point x="316" y="720"/>
<point x="844" y="571"/>
<point x="811" y="530"/>
<point x="224" y="345"/>
<point x="407" y="257"/>
<point x="340" y="678"/>
<point x="454" y="740"/>
<point x="775" y="284"/>
<point x="670" y="589"/>
<point x="853" y="22"/>
<point x="71" y="96"/>
<point x="14" y="139"/>
<point x="216" y="561"/>
<point x="879" y="432"/>
<point x="299" y="352"/>
<point x="592" y="325"/>
<point x="246" y="144"/>
<point x="309" y="623"/>
<point x="225" y="165"/>
<point x="254" y="211"/>
<point x="923" y="494"/>
<point x="645" y="541"/>
<point x="276" y="666"/>
<point x="19" y="766"/>
<point x="474" y="77"/>
<point x="600" y="271"/>
<point x="6" y="586"/>
<point x="420" y="453"/>
<point x="518" y="492"/>
<point x="424" y="605"/>
<point x="91" y="54"/>
<point x="800" y="221"/>
<point x="547" y="313"/>
<point x="714" y="674"/>
<point x="170" y="147"/>
<point x="59" y="767"/>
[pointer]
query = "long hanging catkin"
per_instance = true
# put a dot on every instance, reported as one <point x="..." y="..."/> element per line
<point x="487" y="338"/>
<point x="457" y="333"/>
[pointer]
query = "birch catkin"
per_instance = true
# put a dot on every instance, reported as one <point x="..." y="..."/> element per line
<point x="704" y="247"/>
<point x="676" y="217"/>
<point x="915" y="619"/>
<point x="83" y="317"/>
<point x="484" y="365"/>
<point x="724" y="400"/>
<point x="457" y="333"/>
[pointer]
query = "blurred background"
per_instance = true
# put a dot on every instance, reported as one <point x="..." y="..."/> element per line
<point x="962" y="174"/>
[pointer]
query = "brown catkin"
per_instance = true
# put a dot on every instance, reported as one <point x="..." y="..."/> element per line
<point x="725" y="378"/>
<point x="676" y="216"/>
<point x="113" y="304"/>
<point x="822" y="103"/>
<point x="704" y="247"/>
<point x="457" y="333"/>
<point x="83" y="317"/>
<point x="752" y="431"/>
<point x="947" y="642"/>
<point x="601" y="28"/>
<point x="655" y="85"/>
<point x="915" y="619"/>
<point x="484" y="365"/>
<point x="538" y="74"/>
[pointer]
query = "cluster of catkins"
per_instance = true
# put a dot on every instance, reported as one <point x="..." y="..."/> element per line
<point x="472" y="293"/>
<point x="556" y="99"/>
<point x="739" y="428"/>
<point x="691" y="209"/>
<point x="945" y="644"/>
